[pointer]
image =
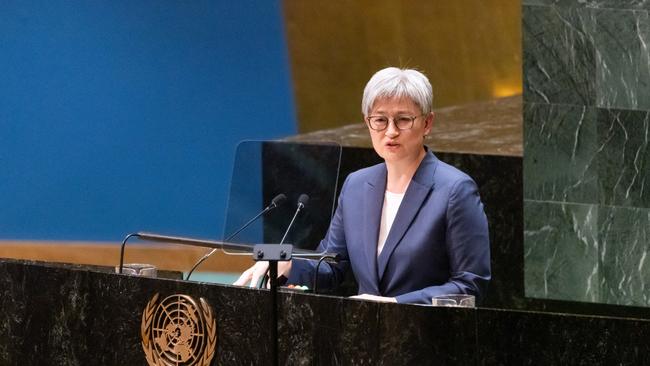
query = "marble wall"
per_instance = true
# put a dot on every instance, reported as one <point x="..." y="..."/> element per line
<point x="586" y="150"/>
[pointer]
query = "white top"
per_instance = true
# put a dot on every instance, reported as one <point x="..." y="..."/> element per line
<point x="388" y="213"/>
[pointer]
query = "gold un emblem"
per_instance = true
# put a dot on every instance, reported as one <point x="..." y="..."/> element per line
<point x="178" y="331"/>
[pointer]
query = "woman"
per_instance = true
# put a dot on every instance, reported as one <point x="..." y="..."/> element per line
<point x="412" y="227"/>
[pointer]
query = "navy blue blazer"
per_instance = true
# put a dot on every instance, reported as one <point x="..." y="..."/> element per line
<point x="438" y="243"/>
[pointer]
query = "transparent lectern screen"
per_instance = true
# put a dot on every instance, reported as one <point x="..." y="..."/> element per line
<point x="265" y="169"/>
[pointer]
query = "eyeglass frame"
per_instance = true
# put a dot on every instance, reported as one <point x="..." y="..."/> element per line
<point x="413" y="118"/>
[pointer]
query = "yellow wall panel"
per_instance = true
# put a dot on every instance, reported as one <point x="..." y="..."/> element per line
<point x="471" y="51"/>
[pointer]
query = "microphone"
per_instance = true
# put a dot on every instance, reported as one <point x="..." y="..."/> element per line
<point x="275" y="202"/>
<point x="302" y="202"/>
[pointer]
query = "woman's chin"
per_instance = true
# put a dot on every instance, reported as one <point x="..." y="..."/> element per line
<point x="392" y="156"/>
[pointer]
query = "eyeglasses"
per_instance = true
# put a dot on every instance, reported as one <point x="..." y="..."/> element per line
<point x="380" y="123"/>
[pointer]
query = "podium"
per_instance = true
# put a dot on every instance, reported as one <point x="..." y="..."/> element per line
<point x="56" y="314"/>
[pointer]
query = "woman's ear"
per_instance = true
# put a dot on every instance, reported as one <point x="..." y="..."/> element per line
<point x="428" y="123"/>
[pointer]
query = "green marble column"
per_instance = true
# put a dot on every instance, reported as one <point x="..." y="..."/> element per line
<point x="586" y="150"/>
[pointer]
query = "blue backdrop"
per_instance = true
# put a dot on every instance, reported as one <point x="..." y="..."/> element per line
<point x="117" y="116"/>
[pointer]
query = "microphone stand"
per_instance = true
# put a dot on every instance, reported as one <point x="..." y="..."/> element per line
<point x="273" y="253"/>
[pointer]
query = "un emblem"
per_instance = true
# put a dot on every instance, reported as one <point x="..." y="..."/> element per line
<point x="178" y="331"/>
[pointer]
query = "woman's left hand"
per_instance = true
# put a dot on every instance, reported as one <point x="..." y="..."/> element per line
<point x="374" y="298"/>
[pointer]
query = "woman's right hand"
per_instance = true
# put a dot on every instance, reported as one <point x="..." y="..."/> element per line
<point x="252" y="276"/>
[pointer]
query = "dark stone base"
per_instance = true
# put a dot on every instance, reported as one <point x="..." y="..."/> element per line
<point x="57" y="315"/>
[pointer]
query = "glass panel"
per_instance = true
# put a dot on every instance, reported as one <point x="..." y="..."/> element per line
<point x="262" y="171"/>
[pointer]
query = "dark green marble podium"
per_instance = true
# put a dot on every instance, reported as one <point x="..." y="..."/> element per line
<point x="71" y="315"/>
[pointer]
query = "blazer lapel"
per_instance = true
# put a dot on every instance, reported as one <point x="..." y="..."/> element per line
<point x="373" y="201"/>
<point x="421" y="185"/>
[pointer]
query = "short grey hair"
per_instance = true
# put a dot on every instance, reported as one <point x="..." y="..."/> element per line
<point x="393" y="82"/>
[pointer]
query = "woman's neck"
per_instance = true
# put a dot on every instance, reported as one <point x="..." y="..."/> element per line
<point x="400" y="173"/>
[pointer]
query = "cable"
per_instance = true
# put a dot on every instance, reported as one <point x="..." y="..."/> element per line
<point x="317" y="272"/>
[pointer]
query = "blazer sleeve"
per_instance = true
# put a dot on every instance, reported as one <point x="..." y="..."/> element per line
<point x="468" y="247"/>
<point x="329" y="275"/>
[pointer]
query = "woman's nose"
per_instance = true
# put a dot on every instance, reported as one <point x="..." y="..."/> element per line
<point x="391" y="129"/>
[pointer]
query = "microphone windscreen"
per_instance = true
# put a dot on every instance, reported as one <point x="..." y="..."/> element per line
<point x="303" y="199"/>
<point x="279" y="199"/>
